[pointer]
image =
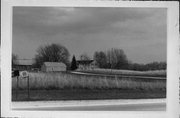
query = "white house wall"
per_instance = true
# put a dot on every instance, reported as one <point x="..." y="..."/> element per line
<point x="51" y="68"/>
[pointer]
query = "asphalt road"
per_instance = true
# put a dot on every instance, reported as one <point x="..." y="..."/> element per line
<point x="128" y="105"/>
<point x="142" y="77"/>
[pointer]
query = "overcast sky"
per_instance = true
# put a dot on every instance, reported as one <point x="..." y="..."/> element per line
<point x="140" y="32"/>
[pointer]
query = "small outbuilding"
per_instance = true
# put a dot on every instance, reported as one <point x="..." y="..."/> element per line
<point x="23" y="64"/>
<point x="53" y="67"/>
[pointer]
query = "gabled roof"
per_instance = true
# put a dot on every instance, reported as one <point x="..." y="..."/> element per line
<point x="25" y="62"/>
<point x="54" y="64"/>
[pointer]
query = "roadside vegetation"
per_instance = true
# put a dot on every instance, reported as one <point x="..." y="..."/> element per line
<point x="50" y="81"/>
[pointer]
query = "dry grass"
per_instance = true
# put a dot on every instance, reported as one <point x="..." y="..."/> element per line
<point x="70" y="81"/>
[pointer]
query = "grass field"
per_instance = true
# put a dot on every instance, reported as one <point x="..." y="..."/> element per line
<point x="85" y="94"/>
<point x="50" y="81"/>
<point x="68" y="86"/>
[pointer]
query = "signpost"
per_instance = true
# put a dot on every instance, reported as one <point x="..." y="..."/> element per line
<point x="24" y="74"/>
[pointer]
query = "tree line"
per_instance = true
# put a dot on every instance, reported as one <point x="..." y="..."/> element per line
<point x="146" y="67"/>
<point x="116" y="59"/>
<point x="113" y="58"/>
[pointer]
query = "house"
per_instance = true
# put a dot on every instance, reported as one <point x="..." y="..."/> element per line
<point x="85" y="64"/>
<point x="53" y="67"/>
<point x="23" y="64"/>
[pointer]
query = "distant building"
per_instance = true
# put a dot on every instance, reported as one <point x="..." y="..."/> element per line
<point x="23" y="64"/>
<point x="53" y="67"/>
<point x="85" y="64"/>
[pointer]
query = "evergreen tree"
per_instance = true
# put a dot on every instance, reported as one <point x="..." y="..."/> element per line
<point x="73" y="63"/>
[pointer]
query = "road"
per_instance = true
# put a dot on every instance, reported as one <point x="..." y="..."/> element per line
<point x="94" y="105"/>
<point x="142" y="77"/>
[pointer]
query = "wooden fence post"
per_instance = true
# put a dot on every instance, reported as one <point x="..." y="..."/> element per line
<point x="28" y="87"/>
<point x="17" y="87"/>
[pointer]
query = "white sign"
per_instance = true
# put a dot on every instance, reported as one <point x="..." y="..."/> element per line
<point x="24" y="74"/>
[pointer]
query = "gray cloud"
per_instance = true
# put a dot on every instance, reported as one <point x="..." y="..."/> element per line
<point x="78" y="20"/>
<point x="91" y="29"/>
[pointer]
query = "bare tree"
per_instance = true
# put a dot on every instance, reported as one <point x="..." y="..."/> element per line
<point x="100" y="59"/>
<point x="51" y="53"/>
<point x="113" y="58"/>
<point x="85" y="56"/>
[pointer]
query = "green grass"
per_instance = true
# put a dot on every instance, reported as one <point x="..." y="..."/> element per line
<point x="50" y="81"/>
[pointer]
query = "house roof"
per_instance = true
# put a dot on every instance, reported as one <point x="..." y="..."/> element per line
<point x="25" y="62"/>
<point x="54" y="64"/>
<point x="84" y="61"/>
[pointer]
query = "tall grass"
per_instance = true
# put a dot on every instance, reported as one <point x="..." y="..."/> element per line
<point x="71" y="81"/>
